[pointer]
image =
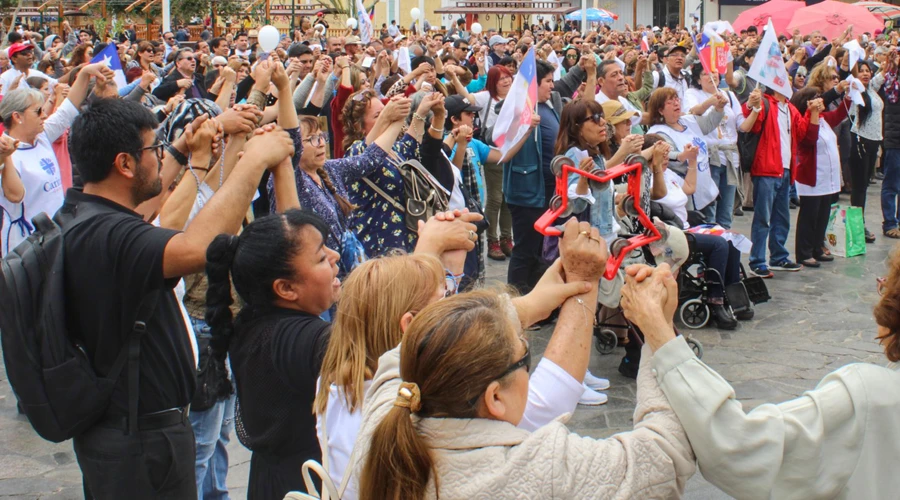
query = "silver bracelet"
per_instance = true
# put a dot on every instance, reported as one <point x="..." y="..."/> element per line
<point x="417" y="116"/>
<point x="439" y="131"/>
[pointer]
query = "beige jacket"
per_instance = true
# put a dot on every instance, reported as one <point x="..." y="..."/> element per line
<point x="480" y="458"/>
<point x="839" y="440"/>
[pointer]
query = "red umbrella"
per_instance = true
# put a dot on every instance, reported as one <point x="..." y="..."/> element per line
<point x="832" y="18"/>
<point x="780" y="11"/>
<point x="881" y="9"/>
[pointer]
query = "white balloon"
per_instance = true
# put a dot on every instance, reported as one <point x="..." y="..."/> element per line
<point x="268" y="38"/>
<point x="351" y="23"/>
<point x="476" y="28"/>
<point x="415" y="13"/>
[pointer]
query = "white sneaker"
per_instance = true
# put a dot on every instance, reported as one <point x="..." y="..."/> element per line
<point x="591" y="397"/>
<point x="595" y="383"/>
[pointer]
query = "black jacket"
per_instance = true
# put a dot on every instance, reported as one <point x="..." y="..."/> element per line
<point x="169" y="86"/>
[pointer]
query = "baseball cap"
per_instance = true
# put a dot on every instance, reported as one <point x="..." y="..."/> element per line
<point x="456" y="104"/>
<point x="615" y="113"/>
<point x="352" y="40"/>
<point x="676" y="48"/>
<point x="655" y="28"/>
<point x="19" y="47"/>
<point x="497" y="39"/>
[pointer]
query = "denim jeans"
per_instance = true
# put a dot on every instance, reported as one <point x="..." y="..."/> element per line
<point x="890" y="189"/>
<point x="721" y="210"/>
<point x="212" y="432"/>
<point x="771" y="219"/>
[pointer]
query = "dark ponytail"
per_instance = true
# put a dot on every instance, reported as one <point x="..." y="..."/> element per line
<point x="863" y="112"/>
<point x="342" y="202"/>
<point x="254" y="260"/>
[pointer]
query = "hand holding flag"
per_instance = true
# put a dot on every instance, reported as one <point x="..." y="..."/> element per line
<point x="514" y="119"/>
<point x="108" y="58"/>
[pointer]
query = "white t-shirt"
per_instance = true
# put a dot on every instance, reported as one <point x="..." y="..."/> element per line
<point x="37" y="166"/>
<point x="726" y="132"/>
<point x="828" y="165"/>
<point x="635" y="120"/>
<point x="9" y="76"/>
<point x="675" y="199"/>
<point x="342" y="426"/>
<point x="488" y="107"/>
<point x="679" y="84"/>
<point x="784" y="128"/>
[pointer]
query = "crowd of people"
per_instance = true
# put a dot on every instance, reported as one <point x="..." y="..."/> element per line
<point x="268" y="205"/>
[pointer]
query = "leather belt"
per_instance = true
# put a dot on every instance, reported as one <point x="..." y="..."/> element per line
<point x="150" y="421"/>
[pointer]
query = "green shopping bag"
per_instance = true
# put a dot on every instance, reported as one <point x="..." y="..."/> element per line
<point x="845" y="235"/>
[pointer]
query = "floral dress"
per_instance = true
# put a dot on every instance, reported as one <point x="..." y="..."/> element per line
<point x="318" y="199"/>
<point x="377" y="223"/>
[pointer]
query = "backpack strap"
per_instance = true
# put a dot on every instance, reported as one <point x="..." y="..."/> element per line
<point x="131" y="353"/>
<point x="384" y="195"/>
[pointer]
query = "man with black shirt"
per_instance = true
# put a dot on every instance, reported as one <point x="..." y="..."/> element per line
<point x="184" y="77"/>
<point x="115" y="262"/>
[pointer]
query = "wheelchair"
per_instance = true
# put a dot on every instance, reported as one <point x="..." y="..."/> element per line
<point x="695" y="280"/>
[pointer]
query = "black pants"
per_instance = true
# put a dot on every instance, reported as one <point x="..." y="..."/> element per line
<point x="863" y="154"/>
<point x="719" y="254"/>
<point x="148" y="464"/>
<point x="812" y="221"/>
<point x="272" y="477"/>
<point x="525" y="264"/>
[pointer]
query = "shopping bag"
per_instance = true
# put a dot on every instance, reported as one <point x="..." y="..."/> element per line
<point x="845" y="234"/>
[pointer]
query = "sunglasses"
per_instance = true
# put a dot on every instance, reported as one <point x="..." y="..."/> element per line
<point x="191" y="58"/>
<point x="525" y="362"/>
<point x="572" y="56"/>
<point x="596" y="118"/>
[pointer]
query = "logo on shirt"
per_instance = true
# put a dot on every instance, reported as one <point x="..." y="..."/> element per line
<point x="48" y="166"/>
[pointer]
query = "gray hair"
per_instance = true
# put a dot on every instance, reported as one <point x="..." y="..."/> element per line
<point x="602" y="67"/>
<point x="414" y="101"/>
<point x="17" y="101"/>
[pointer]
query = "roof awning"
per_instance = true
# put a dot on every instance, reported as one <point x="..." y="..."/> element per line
<point x="522" y="7"/>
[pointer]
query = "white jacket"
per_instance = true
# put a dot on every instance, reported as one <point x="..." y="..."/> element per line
<point x="837" y="441"/>
<point x="480" y="458"/>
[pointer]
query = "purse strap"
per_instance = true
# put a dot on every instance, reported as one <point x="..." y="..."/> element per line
<point x="384" y="195"/>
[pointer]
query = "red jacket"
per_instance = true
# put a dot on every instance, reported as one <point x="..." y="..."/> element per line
<point x="806" y="172"/>
<point x="768" y="154"/>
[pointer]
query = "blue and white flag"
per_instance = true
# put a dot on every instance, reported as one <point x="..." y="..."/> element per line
<point x="365" y="23"/>
<point x="514" y="119"/>
<point x="110" y="57"/>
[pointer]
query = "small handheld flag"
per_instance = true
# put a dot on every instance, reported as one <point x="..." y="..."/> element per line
<point x="110" y="57"/>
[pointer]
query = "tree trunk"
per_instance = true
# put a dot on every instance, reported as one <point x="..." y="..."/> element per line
<point x="12" y="21"/>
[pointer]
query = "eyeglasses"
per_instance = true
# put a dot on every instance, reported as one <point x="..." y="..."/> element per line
<point x="189" y="58"/>
<point x="317" y="140"/>
<point x="525" y="362"/>
<point x="835" y="78"/>
<point x="169" y="38"/>
<point x="596" y="118"/>
<point x="158" y="148"/>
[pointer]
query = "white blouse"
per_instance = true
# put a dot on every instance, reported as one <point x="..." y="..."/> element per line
<point x="828" y="165"/>
<point x="872" y="129"/>
<point x="836" y="441"/>
<point x="726" y="133"/>
<point x="675" y="199"/>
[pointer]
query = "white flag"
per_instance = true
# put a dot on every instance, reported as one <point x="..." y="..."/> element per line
<point x="557" y="63"/>
<point x="403" y="61"/>
<point x="768" y="66"/>
<point x="856" y="52"/>
<point x="365" y="23"/>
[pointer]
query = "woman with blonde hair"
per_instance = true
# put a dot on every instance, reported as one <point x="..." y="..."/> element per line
<point x="367" y="325"/>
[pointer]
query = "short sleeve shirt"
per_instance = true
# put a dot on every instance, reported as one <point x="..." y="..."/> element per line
<point x="113" y="260"/>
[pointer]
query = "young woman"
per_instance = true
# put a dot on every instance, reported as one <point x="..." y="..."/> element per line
<point x="818" y="176"/>
<point x="442" y="412"/>
<point x="865" y="135"/>
<point x="145" y="59"/>
<point x="724" y="162"/>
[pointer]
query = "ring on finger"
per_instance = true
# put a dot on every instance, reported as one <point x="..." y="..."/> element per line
<point x="585" y="233"/>
<point x="473" y="235"/>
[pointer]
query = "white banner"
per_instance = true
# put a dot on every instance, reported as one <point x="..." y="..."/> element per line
<point x="768" y="66"/>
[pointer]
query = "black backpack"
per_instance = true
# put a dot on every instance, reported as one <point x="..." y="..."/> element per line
<point x="52" y="376"/>
<point x="748" y="142"/>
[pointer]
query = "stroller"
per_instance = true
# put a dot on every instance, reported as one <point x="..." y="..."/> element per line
<point x="695" y="280"/>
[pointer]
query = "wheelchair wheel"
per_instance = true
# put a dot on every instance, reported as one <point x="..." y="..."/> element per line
<point x="696" y="346"/>
<point x="694" y="314"/>
<point x="605" y="340"/>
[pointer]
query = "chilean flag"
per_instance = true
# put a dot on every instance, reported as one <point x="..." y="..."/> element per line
<point x="645" y="44"/>
<point x="514" y="119"/>
<point x="110" y="57"/>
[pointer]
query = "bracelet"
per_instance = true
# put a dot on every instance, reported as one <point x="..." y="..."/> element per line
<point x="756" y="109"/>
<point x="452" y="282"/>
<point x="179" y="157"/>
<point x="438" y="130"/>
<point x="417" y="116"/>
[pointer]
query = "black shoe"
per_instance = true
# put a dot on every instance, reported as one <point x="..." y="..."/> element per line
<point x="786" y="266"/>
<point x="748" y="209"/>
<point x="738" y="212"/>
<point x="722" y="316"/>
<point x="825" y="258"/>
<point x="794" y="204"/>
<point x="870" y="237"/>
<point x="628" y="368"/>
<point x="810" y="262"/>
<point x="879" y="176"/>
<point x="745" y="315"/>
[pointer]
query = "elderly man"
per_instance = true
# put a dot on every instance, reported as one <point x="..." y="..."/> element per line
<point x="498" y="46"/>
<point x="183" y="79"/>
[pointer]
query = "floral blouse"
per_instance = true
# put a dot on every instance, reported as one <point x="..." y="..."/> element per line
<point x="378" y="224"/>
<point x="316" y="198"/>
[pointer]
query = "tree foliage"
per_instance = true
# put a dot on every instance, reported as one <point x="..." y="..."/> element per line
<point x="186" y="9"/>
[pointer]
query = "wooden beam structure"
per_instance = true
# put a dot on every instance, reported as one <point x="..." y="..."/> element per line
<point x="88" y="5"/>
<point x="150" y="4"/>
<point x="519" y="7"/>
<point x="133" y="5"/>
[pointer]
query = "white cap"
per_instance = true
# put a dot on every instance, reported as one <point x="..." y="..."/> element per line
<point x="655" y="28"/>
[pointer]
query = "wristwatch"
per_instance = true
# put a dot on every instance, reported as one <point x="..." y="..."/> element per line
<point x="757" y="109"/>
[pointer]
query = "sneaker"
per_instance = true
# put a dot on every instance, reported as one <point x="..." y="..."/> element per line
<point x="795" y="204"/>
<point x="762" y="272"/>
<point x="810" y="262"/>
<point x="595" y="383"/>
<point x="628" y="368"/>
<point x="506" y="246"/>
<point x="879" y="176"/>
<point x="494" y="251"/>
<point x="591" y="397"/>
<point x="786" y="266"/>
<point x="738" y="212"/>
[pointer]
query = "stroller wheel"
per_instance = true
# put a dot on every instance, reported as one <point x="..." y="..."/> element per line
<point x="605" y="340"/>
<point x="694" y="314"/>
<point x="696" y="346"/>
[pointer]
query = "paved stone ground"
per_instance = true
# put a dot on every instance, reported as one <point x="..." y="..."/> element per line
<point x="817" y="321"/>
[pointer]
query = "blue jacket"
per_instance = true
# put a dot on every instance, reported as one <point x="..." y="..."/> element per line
<point x="523" y="176"/>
